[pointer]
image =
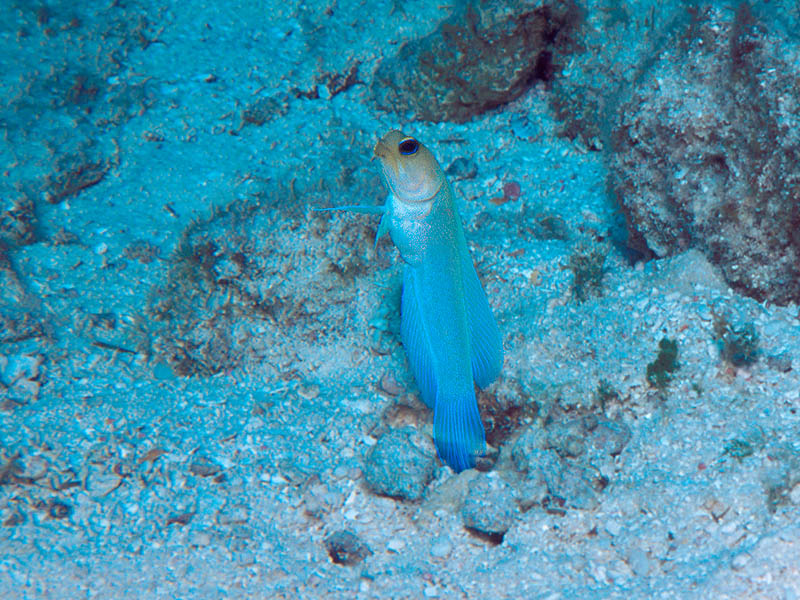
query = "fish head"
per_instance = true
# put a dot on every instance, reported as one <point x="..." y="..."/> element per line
<point x="410" y="170"/>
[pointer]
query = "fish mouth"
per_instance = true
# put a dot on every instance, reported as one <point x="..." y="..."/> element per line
<point x="382" y="152"/>
<point x="388" y="162"/>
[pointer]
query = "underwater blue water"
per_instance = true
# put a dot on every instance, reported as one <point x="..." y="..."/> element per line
<point x="569" y="370"/>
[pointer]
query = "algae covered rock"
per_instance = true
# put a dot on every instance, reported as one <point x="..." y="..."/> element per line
<point x="345" y="548"/>
<point x="395" y="467"/>
<point x="490" y="506"/>
<point x="484" y="55"/>
<point x="707" y="152"/>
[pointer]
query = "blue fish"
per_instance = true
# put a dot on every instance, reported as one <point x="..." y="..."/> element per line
<point x="447" y="327"/>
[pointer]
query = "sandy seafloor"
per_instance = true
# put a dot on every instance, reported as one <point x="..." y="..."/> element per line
<point x="123" y="477"/>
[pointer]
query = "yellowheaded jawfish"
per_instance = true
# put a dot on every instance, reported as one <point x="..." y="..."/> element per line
<point x="447" y="327"/>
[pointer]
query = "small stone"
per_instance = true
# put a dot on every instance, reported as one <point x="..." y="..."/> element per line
<point x="19" y="367"/>
<point x="35" y="467"/>
<point x="59" y="510"/>
<point x="490" y="507"/>
<point x="526" y="448"/>
<point x="441" y="548"/>
<point x="740" y="561"/>
<point x="567" y="438"/>
<point x="462" y="168"/>
<point x="794" y="495"/>
<point x="522" y="127"/>
<point x="395" y="467"/>
<point x="14" y="518"/>
<point x="389" y="385"/>
<point x="163" y="372"/>
<point x="233" y="514"/>
<point x="101" y="484"/>
<point x="638" y="561"/>
<point x="180" y="519"/>
<point x="613" y="527"/>
<point x="532" y="490"/>
<point x="609" y="437"/>
<point x="26" y="387"/>
<point x="575" y="485"/>
<point x="781" y="362"/>
<point x="395" y="545"/>
<point x="600" y="573"/>
<point x="511" y="191"/>
<point x="265" y="109"/>
<point x="308" y="393"/>
<point x="278" y="479"/>
<point x="344" y="548"/>
<point x="203" y="467"/>
<point x="716" y="508"/>
<point x="199" y="538"/>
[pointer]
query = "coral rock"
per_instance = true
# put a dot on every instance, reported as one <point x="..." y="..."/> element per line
<point x="707" y="153"/>
<point x="484" y="55"/>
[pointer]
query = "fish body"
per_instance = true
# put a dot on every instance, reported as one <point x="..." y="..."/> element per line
<point x="447" y="327"/>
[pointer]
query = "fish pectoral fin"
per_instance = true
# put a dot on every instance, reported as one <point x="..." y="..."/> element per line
<point x="366" y="210"/>
<point x="486" y="344"/>
<point x="457" y="428"/>
<point x="383" y="229"/>
<point x="416" y="342"/>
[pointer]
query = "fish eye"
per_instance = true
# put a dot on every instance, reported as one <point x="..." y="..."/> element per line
<point x="408" y="146"/>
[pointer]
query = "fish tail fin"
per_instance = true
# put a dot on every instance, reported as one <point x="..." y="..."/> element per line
<point x="457" y="429"/>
